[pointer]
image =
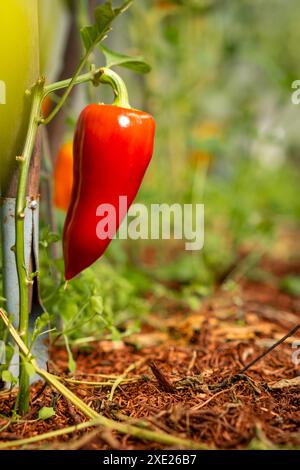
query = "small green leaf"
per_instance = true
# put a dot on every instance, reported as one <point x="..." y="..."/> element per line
<point x="30" y="370"/>
<point x="90" y="36"/>
<point x="48" y="237"/>
<point x="134" y="63"/>
<point x="104" y="16"/>
<point x="8" y="377"/>
<point x="46" y="413"/>
<point x="40" y="325"/>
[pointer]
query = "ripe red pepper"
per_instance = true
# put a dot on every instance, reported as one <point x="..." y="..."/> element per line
<point x="113" y="147"/>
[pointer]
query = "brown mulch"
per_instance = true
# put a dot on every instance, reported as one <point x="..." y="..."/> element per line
<point x="186" y="380"/>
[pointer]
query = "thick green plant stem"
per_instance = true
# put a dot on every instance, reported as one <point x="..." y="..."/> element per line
<point x="23" y="275"/>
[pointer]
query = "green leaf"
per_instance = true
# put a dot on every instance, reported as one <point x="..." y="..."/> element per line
<point x="104" y="15"/>
<point x="48" y="237"/>
<point x="291" y="285"/>
<point x="134" y="63"/>
<point x="90" y="37"/>
<point x="46" y="413"/>
<point x="8" y="377"/>
<point x="40" y="325"/>
<point x="123" y="7"/>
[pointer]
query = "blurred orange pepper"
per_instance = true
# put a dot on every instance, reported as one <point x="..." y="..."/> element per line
<point x="208" y="129"/>
<point x="166" y="5"/>
<point x="203" y="133"/>
<point x="63" y="177"/>
<point x="47" y="106"/>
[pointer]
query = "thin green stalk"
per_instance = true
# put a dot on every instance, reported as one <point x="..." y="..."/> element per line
<point x="122" y="377"/>
<point x="69" y="87"/>
<point x="23" y="275"/>
<point x="84" y="78"/>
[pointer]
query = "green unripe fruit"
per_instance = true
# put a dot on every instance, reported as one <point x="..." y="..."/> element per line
<point x="19" y="70"/>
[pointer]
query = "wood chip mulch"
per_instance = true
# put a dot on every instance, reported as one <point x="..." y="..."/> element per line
<point x="186" y="379"/>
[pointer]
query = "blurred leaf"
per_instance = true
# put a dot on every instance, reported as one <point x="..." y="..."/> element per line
<point x="40" y="325"/>
<point x="48" y="238"/>
<point x="97" y="304"/>
<point x="134" y="63"/>
<point x="8" y="377"/>
<point x="46" y="413"/>
<point x="291" y="285"/>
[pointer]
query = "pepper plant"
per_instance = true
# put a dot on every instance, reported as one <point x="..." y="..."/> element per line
<point x="92" y="37"/>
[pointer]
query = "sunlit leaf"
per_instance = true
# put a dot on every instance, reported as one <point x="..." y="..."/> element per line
<point x="134" y="63"/>
<point x="8" y="377"/>
<point x="104" y="15"/>
<point x="46" y="413"/>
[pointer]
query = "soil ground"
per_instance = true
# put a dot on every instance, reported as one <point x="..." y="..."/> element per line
<point x="185" y="376"/>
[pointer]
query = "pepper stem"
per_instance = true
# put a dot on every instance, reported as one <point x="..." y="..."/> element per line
<point x="109" y="77"/>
